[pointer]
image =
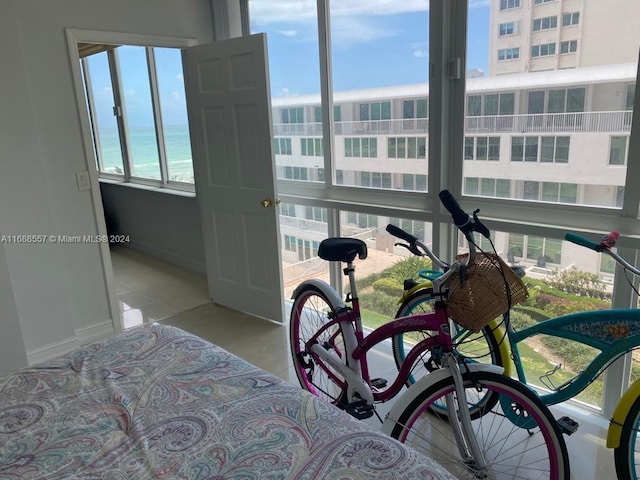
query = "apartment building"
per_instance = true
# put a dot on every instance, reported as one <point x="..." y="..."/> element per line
<point x="540" y="35"/>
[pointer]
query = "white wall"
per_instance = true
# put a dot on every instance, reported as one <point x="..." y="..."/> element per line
<point x="60" y="290"/>
<point x="157" y="223"/>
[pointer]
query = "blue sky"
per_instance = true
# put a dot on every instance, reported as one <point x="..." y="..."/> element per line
<point x="374" y="42"/>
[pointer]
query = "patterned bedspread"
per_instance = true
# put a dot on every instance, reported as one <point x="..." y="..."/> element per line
<point x="157" y="402"/>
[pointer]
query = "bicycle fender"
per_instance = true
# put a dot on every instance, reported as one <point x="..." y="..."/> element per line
<point x="425" y="382"/>
<point x="620" y="414"/>
<point x="407" y="293"/>
<point x="326" y="289"/>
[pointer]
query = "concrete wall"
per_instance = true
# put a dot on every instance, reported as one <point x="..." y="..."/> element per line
<point x="59" y="290"/>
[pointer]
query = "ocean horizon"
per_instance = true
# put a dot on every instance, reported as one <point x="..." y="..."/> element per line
<point x="144" y="152"/>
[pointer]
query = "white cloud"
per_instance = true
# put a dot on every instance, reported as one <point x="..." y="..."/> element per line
<point x="421" y="53"/>
<point x="264" y="12"/>
<point x="285" y="92"/>
<point x="348" y="31"/>
<point x="289" y="33"/>
<point x="180" y="78"/>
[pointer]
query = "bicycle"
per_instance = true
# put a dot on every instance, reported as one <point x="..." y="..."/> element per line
<point x="612" y="332"/>
<point x="512" y="435"/>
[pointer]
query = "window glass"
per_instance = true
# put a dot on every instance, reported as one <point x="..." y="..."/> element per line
<point x="174" y="114"/>
<point x="105" y="128"/>
<point x="139" y="119"/>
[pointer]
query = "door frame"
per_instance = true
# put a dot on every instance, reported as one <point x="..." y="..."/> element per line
<point x="74" y="37"/>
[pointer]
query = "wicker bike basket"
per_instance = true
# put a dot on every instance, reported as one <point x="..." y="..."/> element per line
<point x="480" y="294"/>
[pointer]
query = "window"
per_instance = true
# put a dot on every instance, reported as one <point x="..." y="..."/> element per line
<point x="375" y="111"/>
<point x="317" y="214"/>
<point x="552" y="149"/>
<point x="618" y="150"/>
<point x="282" y="146"/>
<point x="545" y="23"/>
<point x="415" y="108"/>
<point x="538" y="2"/>
<point x="361" y="147"/>
<point x="149" y="143"/>
<point x="569" y="19"/>
<point x="487" y="187"/>
<point x="311" y="147"/>
<point x="290" y="243"/>
<point x="296" y="173"/>
<point x="490" y="104"/>
<point x="631" y="93"/>
<point x="508" y="28"/>
<point x="414" y="182"/>
<point x="482" y="148"/>
<point x="508" y="54"/>
<point x="402" y="147"/>
<point x="570" y="46"/>
<point x="292" y="115"/>
<point x="507" y="4"/>
<point x="543" y="50"/>
<point x="337" y="114"/>
<point x="524" y="149"/>
<point x="375" y="179"/>
<point x="288" y="209"/>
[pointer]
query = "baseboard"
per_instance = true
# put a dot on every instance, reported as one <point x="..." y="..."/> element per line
<point x="170" y="257"/>
<point x="84" y="335"/>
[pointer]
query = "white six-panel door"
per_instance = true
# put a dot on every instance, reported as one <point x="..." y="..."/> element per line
<point x="229" y="106"/>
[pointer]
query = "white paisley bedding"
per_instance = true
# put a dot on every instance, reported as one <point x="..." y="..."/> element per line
<point x="156" y="402"/>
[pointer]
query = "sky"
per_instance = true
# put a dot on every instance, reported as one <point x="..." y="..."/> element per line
<point x="374" y="42"/>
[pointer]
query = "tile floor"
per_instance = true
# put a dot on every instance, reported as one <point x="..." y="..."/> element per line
<point x="151" y="290"/>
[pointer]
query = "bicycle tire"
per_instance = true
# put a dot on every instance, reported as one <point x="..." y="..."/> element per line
<point x="510" y="450"/>
<point x="626" y="455"/>
<point x="481" y="347"/>
<point x="308" y="314"/>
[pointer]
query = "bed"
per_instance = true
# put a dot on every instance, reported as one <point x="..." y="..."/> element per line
<point x="158" y="402"/>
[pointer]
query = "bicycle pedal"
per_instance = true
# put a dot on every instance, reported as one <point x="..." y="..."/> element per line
<point x="379" y="382"/>
<point x="567" y="425"/>
<point x="360" y="409"/>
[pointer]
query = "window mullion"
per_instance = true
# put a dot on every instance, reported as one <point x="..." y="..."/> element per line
<point x="326" y="90"/>
<point x="92" y="113"/>
<point x="157" y="115"/>
<point x="632" y="195"/>
<point x="120" y="112"/>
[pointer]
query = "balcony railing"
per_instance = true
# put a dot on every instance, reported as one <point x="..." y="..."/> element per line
<point x="527" y="123"/>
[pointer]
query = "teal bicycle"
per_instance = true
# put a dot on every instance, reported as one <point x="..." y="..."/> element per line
<point x="613" y="333"/>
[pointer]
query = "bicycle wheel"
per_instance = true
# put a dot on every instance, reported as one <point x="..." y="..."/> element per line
<point x="510" y="451"/>
<point x="309" y="313"/>
<point x="627" y="454"/>
<point x="476" y="347"/>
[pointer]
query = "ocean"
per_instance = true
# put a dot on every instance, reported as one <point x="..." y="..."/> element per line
<point x="144" y="152"/>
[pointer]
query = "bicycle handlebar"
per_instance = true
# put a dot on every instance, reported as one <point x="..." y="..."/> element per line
<point x="582" y="241"/>
<point x="461" y="219"/>
<point x="398" y="232"/>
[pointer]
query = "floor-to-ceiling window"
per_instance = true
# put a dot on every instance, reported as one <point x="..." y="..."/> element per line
<point x="539" y="137"/>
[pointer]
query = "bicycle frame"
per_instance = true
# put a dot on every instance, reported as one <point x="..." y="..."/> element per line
<point x="356" y="366"/>
<point x="613" y="332"/>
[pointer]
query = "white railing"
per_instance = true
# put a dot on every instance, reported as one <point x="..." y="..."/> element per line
<point x="619" y="121"/>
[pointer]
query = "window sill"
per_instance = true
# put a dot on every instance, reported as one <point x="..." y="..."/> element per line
<point x="150" y="188"/>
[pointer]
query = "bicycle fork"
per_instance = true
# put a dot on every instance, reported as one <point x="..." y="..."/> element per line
<point x="460" y="421"/>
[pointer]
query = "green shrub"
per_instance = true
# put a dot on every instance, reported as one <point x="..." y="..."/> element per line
<point x="380" y="302"/>
<point x="576" y="282"/>
<point x="388" y="286"/>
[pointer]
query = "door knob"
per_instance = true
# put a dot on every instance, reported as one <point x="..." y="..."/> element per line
<point x="266" y="203"/>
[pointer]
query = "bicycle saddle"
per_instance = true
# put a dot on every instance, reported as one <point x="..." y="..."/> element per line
<point x="342" y="249"/>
